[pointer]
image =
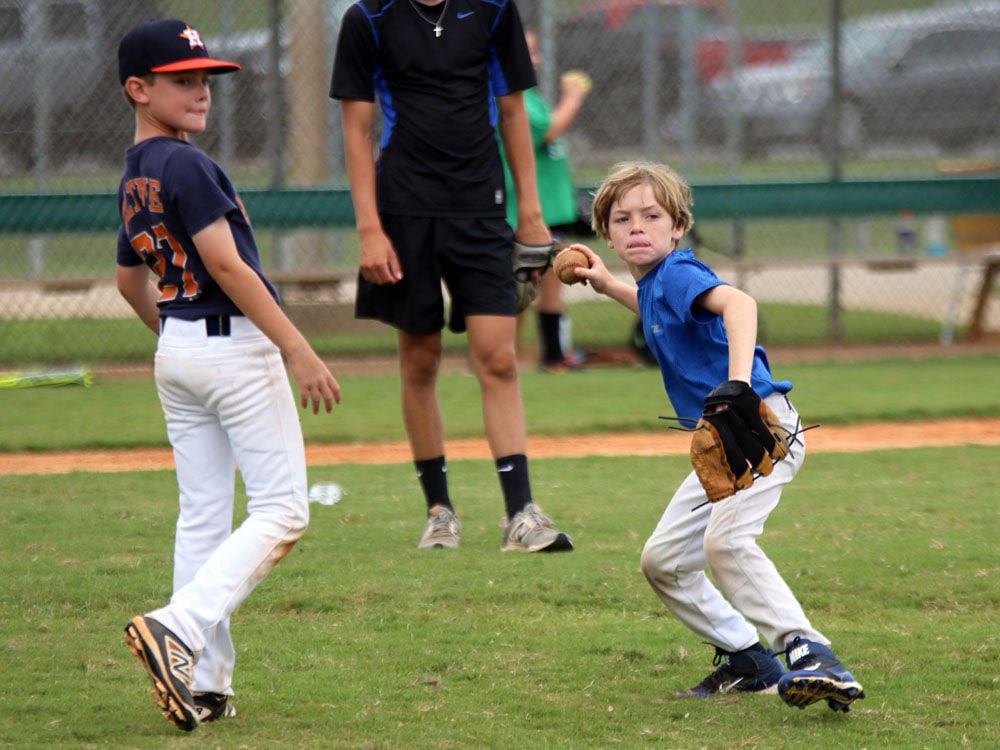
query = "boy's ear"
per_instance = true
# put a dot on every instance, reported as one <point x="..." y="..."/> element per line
<point x="136" y="88"/>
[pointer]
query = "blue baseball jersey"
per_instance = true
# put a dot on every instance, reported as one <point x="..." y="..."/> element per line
<point x="689" y="342"/>
<point x="439" y="153"/>
<point x="171" y="190"/>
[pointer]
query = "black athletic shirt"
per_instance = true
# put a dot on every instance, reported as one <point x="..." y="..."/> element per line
<point x="439" y="154"/>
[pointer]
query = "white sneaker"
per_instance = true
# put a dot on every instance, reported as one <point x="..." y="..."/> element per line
<point x="530" y="530"/>
<point x="443" y="529"/>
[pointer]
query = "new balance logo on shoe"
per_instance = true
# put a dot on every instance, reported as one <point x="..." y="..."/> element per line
<point x="170" y="664"/>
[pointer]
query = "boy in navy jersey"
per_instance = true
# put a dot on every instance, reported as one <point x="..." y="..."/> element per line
<point x="432" y="208"/>
<point x="219" y="371"/>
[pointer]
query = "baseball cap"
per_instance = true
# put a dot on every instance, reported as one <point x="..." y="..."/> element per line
<point x="166" y="46"/>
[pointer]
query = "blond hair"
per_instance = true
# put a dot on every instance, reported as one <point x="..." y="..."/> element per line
<point x="669" y="189"/>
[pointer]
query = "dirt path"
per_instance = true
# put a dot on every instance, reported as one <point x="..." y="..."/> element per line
<point x="874" y="436"/>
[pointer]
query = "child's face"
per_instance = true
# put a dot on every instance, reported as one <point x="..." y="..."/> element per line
<point x="181" y="101"/>
<point x="640" y="230"/>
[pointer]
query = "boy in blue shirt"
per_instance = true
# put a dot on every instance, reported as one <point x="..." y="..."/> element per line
<point x="703" y="332"/>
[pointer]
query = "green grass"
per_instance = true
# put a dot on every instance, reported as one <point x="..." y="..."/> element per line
<point x="120" y="413"/>
<point x="596" y="325"/>
<point x="358" y="640"/>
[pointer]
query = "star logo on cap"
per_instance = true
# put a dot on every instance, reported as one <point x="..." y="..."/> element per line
<point x="193" y="37"/>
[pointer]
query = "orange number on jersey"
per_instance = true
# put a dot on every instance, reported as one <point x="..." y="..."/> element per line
<point x="149" y="248"/>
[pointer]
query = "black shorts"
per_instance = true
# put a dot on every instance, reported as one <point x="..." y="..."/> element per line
<point x="471" y="256"/>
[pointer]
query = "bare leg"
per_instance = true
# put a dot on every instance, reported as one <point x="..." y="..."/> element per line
<point x="493" y="357"/>
<point x="419" y="363"/>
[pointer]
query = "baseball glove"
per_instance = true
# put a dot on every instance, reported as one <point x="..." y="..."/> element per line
<point x="737" y="439"/>
<point x="528" y="259"/>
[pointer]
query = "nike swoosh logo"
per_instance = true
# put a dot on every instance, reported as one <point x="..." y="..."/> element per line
<point x="505" y="468"/>
<point x="730" y="685"/>
<point x="466" y="14"/>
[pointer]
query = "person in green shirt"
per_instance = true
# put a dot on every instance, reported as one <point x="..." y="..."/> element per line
<point x="560" y="206"/>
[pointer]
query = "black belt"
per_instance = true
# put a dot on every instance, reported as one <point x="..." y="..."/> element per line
<point x="215" y="325"/>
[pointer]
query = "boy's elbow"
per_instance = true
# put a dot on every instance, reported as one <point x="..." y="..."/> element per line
<point x="128" y="288"/>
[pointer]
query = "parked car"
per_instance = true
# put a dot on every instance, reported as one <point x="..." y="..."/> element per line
<point x="41" y="41"/>
<point x="932" y="74"/>
<point x="57" y="69"/>
<point x="606" y="38"/>
<point x="256" y="114"/>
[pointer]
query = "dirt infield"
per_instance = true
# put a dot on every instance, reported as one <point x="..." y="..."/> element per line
<point x="874" y="436"/>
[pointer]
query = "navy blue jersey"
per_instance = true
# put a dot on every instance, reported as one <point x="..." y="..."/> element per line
<point x="439" y="153"/>
<point x="689" y="342"/>
<point x="170" y="191"/>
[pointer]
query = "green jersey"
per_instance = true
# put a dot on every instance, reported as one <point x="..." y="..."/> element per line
<point x="555" y="178"/>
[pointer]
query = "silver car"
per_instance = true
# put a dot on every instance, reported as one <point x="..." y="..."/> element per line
<point x="928" y="75"/>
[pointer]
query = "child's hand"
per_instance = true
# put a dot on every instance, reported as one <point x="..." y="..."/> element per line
<point x="316" y="383"/>
<point x="598" y="275"/>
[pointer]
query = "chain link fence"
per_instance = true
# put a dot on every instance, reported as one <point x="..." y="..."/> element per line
<point x="729" y="92"/>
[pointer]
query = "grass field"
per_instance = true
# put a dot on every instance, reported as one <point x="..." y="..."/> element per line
<point x="122" y="413"/>
<point x="598" y="325"/>
<point x="358" y="640"/>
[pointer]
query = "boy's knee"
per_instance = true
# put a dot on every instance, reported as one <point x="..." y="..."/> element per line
<point x="658" y="564"/>
<point x="721" y="546"/>
<point x="498" y="364"/>
<point x="298" y="522"/>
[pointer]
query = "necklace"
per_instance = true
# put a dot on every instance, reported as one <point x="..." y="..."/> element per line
<point x="438" y="28"/>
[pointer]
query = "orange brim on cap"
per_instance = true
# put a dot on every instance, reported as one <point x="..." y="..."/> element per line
<point x="197" y="63"/>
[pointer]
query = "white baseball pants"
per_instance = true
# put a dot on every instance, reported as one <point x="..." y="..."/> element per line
<point x="227" y="402"/>
<point x="749" y="597"/>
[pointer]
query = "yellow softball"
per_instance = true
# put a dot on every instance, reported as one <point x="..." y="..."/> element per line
<point x="585" y="83"/>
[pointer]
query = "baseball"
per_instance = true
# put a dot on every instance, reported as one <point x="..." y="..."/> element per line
<point x="585" y="82"/>
<point x="326" y="494"/>
<point x="566" y="261"/>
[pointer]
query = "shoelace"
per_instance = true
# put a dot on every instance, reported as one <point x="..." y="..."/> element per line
<point x="441" y="525"/>
<point x="532" y="519"/>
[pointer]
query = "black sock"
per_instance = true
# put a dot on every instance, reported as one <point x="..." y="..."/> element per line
<point x="433" y="475"/>
<point x="549" y="325"/>
<point x="513" y="471"/>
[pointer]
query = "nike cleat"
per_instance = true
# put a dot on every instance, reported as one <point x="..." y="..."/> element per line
<point x="815" y="674"/>
<point x="752" y="670"/>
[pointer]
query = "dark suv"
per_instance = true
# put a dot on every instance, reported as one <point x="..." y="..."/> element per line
<point x="929" y="75"/>
<point x="59" y="79"/>
<point x="607" y="39"/>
